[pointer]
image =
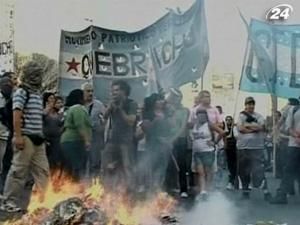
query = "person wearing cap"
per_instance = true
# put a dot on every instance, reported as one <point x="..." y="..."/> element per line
<point x="250" y="145"/>
<point x="28" y="141"/>
<point x="96" y="110"/>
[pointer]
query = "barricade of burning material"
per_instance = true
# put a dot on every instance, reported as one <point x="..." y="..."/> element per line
<point x="73" y="204"/>
<point x="73" y="211"/>
<point x="168" y="220"/>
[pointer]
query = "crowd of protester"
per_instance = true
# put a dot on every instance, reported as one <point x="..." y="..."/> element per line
<point x="139" y="149"/>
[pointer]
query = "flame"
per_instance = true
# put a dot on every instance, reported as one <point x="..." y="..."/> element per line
<point x="119" y="208"/>
<point x="60" y="189"/>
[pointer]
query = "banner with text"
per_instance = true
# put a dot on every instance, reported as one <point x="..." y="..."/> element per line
<point x="272" y="63"/>
<point x="6" y="36"/>
<point x="171" y="52"/>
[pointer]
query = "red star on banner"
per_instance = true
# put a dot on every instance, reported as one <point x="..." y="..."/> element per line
<point x="73" y="65"/>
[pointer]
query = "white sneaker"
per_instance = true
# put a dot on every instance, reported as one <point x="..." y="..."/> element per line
<point x="230" y="186"/>
<point x="184" y="195"/>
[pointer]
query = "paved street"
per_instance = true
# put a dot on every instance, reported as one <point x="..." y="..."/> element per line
<point x="226" y="208"/>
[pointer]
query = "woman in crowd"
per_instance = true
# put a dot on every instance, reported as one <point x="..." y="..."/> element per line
<point x="156" y="126"/>
<point x="52" y="130"/>
<point x="231" y="152"/>
<point x="59" y="104"/>
<point x="204" y="142"/>
<point x="76" y="138"/>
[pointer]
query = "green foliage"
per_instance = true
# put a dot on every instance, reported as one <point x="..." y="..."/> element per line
<point x="50" y="78"/>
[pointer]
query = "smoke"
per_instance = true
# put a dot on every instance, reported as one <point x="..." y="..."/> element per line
<point x="217" y="210"/>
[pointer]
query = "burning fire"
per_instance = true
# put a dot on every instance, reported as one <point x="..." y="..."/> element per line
<point x="119" y="208"/>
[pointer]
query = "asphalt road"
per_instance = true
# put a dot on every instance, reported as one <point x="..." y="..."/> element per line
<point x="226" y="208"/>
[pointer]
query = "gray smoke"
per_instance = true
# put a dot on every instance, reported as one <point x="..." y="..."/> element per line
<point x="216" y="211"/>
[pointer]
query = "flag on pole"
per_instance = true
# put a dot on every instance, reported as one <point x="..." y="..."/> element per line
<point x="272" y="60"/>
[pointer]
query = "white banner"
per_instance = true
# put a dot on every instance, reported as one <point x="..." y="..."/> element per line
<point x="6" y="36"/>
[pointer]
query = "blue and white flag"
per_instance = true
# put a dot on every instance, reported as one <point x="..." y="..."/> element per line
<point x="272" y="60"/>
<point x="169" y="53"/>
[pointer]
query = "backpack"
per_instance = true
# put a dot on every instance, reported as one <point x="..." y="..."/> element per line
<point x="27" y="96"/>
<point x="249" y="117"/>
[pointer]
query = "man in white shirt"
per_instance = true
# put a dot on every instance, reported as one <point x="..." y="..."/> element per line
<point x="250" y="145"/>
<point x="96" y="110"/>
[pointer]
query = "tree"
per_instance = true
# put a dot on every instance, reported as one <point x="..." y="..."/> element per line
<point x="50" y="77"/>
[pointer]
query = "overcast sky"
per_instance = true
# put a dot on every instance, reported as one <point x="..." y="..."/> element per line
<point x="38" y="23"/>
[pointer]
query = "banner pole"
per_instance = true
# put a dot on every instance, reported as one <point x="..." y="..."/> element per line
<point x="270" y="88"/>
<point x="274" y="100"/>
<point x="274" y="131"/>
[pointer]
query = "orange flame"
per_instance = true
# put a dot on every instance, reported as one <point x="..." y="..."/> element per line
<point x="118" y="207"/>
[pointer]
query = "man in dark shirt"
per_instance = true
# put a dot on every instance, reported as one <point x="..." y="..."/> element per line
<point x="117" y="155"/>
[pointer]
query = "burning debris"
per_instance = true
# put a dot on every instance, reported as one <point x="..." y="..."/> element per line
<point x="93" y="216"/>
<point x="167" y="219"/>
<point x="91" y="206"/>
<point x="73" y="211"/>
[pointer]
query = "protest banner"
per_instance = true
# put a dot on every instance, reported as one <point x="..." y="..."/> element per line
<point x="272" y="62"/>
<point x="171" y="52"/>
